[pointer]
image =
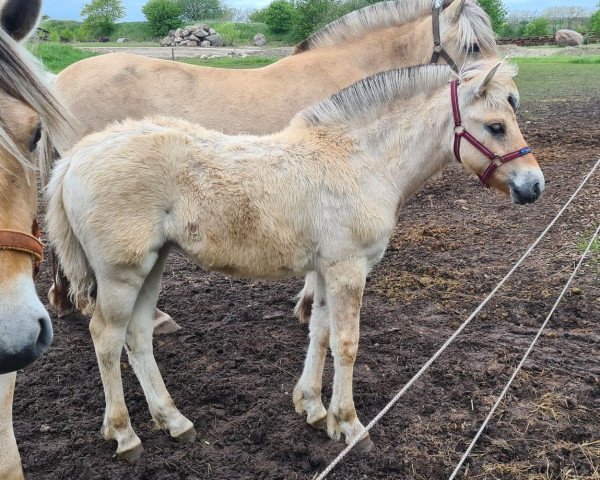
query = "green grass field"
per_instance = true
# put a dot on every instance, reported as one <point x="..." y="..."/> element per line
<point x="231" y="62"/>
<point x="57" y="56"/>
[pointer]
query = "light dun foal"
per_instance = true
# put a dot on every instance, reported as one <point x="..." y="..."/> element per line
<point x="260" y="101"/>
<point x="322" y="195"/>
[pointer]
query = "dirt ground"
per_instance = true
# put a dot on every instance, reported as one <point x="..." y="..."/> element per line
<point x="233" y="366"/>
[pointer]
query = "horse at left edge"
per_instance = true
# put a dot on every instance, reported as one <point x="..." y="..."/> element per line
<point x="26" y="107"/>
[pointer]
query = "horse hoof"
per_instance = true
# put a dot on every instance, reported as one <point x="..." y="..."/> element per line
<point x="166" y="326"/>
<point x="132" y="455"/>
<point x="365" y="445"/>
<point x="189" y="436"/>
<point x="319" y="423"/>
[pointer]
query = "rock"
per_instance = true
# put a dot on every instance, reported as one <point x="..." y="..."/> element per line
<point x="185" y="33"/>
<point x="171" y="33"/>
<point x="178" y="32"/>
<point x="177" y="40"/>
<point x="204" y="26"/>
<point x="166" y="42"/>
<point x="259" y="40"/>
<point x="183" y="43"/>
<point x="215" y="40"/>
<point x="201" y="33"/>
<point x="122" y="40"/>
<point x="211" y="31"/>
<point x="568" y="37"/>
<point x="194" y="38"/>
<point x="45" y="428"/>
<point x="205" y="43"/>
<point x="191" y="43"/>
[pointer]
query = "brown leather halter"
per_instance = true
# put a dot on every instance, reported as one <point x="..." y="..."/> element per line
<point x="460" y="132"/>
<point x="29" y="244"/>
<point x="438" y="49"/>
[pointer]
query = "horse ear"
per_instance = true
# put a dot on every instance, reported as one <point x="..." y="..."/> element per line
<point x="454" y="9"/>
<point x="488" y="77"/>
<point x="18" y="18"/>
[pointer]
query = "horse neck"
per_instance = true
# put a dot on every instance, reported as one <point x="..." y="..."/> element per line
<point x="411" y="141"/>
<point x="381" y="50"/>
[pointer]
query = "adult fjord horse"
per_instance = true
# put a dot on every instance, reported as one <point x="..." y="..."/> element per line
<point x="376" y="38"/>
<point x="25" y="105"/>
<point x="320" y="196"/>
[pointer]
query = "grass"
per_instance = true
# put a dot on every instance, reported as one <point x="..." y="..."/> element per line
<point x="556" y="79"/>
<point x="231" y="62"/>
<point x="58" y="56"/>
<point x="594" y="249"/>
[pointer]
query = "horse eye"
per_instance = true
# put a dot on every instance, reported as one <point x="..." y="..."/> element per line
<point x="473" y="48"/>
<point x="496" y="128"/>
<point x="35" y="138"/>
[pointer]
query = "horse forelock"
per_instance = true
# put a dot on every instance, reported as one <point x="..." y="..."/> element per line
<point x="473" y="24"/>
<point x="22" y="78"/>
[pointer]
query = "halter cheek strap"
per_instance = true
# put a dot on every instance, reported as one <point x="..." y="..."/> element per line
<point x="460" y="132"/>
<point x="29" y="244"/>
<point x="438" y="49"/>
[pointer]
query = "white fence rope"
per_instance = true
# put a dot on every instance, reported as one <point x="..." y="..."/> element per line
<point x="435" y="356"/>
<point x="522" y="362"/>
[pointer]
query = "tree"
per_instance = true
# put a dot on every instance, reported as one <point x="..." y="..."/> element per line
<point x="100" y="16"/>
<point x="538" y="27"/>
<point x="193" y="10"/>
<point x="279" y="16"/>
<point x="594" y="25"/>
<point x="162" y="15"/>
<point x="310" y="16"/>
<point x="496" y="11"/>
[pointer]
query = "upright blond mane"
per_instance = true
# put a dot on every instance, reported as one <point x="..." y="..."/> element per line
<point x="473" y="26"/>
<point x="366" y="98"/>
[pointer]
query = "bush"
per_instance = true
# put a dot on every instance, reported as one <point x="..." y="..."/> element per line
<point x="162" y="15"/>
<point x="231" y="35"/>
<point x="193" y="10"/>
<point x="54" y="36"/>
<point x="539" y="26"/>
<point x="279" y="16"/>
<point x="67" y="35"/>
<point x="258" y="16"/>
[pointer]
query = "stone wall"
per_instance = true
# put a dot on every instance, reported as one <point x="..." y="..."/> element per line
<point x="200" y="35"/>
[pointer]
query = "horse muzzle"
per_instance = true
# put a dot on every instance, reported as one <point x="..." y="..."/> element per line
<point x="25" y="326"/>
<point x="526" y="187"/>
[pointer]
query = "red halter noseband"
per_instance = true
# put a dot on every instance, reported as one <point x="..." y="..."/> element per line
<point x="460" y="132"/>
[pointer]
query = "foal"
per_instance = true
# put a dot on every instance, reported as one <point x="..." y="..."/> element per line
<point x="322" y="195"/>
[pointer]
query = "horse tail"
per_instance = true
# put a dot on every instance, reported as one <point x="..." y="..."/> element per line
<point x="74" y="262"/>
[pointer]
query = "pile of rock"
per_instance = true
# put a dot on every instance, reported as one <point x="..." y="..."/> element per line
<point x="194" y="36"/>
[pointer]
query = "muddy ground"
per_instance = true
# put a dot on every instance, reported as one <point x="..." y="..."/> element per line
<point x="233" y="366"/>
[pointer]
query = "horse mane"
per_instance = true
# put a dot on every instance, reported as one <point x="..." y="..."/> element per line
<point x="23" y="79"/>
<point x="473" y="25"/>
<point x="368" y="96"/>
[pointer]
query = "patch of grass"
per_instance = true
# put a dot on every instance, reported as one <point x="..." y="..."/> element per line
<point x="556" y="79"/>
<point x="231" y="62"/>
<point x="134" y="31"/>
<point x="594" y="249"/>
<point x="58" y="56"/>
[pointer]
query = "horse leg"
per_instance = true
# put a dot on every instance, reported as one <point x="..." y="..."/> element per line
<point x="112" y="313"/>
<point x="307" y="393"/>
<point x="303" y="307"/>
<point x="345" y="283"/>
<point x="141" y="357"/>
<point x="10" y="461"/>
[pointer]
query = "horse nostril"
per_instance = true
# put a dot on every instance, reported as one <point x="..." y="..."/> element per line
<point x="45" y="336"/>
<point x="536" y="188"/>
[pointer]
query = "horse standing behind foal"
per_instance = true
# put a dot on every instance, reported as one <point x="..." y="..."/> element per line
<point x="376" y="38"/>
<point x="26" y="106"/>
<point x="321" y="196"/>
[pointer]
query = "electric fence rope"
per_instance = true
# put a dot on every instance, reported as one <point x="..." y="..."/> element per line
<point x="522" y="362"/>
<point x="435" y="356"/>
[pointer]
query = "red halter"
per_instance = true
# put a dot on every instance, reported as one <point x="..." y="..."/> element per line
<point x="29" y="244"/>
<point x="460" y="132"/>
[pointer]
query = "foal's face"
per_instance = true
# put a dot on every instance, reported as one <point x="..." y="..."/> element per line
<point x="25" y="328"/>
<point x="490" y="116"/>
